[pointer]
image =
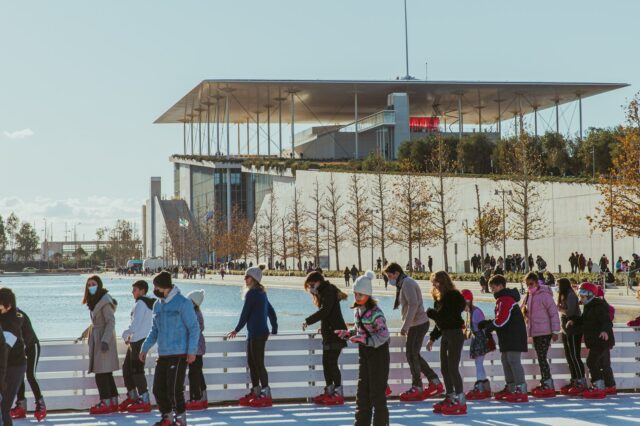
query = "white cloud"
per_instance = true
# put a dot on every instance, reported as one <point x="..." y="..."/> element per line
<point x="19" y="134"/>
<point x="89" y="213"/>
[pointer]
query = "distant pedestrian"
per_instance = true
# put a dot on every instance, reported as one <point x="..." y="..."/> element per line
<point x="354" y="273"/>
<point x="347" y="276"/>
<point x="430" y="264"/>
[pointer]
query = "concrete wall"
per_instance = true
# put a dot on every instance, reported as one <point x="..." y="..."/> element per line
<point x="563" y="205"/>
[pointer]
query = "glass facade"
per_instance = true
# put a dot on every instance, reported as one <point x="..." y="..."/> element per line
<point x="176" y="181"/>
<point x="238" y="182"/>
<point x="202" y="192"/>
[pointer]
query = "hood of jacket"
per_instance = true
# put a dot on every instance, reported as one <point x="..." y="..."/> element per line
<point x="104" y="301"/>
<point x="511" y="292"/>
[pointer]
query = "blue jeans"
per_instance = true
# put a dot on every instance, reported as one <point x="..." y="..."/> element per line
<point x="13" y="379"/>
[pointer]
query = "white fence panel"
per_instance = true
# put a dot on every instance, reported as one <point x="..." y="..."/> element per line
<point x="294" y="362"/>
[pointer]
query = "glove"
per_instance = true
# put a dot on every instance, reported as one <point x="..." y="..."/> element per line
<point x="358" y="339"/>
<point x="104" y="346"/>
<point x="483" y="324"/>
<point x="343" y="334"/>
<point x="430" y="312"/>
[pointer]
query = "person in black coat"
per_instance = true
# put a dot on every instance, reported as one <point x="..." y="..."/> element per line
<point x="598" y="336"/>
<point x="512" y="338"/>
<point x="11" y="322"/>
<point x="327" y="298"/>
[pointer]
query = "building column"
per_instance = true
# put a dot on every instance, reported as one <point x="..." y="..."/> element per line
<point x="268" y="106"/>
<point x="557" y="117"/>
<point x="499" y="118"/>
<point x="293" y="122"/>
<point x="228" y="199"/>
<point x="356" y="121"/>
<point x="258" y="131"/>
<point x="535" y="121"/>
<point x="226" y="107"/>
<point x="248" y="147"/>
<point x="460" y="123"/>
<point x="580" y="112"/>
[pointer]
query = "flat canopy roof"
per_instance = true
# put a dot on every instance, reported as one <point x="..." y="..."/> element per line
<point x="333" y="101"/>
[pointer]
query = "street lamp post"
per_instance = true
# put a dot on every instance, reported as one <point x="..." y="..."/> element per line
<point x="466" y="231"/>
<point x="504" y="224"/>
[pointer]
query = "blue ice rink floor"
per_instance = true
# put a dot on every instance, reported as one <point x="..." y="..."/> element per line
<point x="623" y="409"/>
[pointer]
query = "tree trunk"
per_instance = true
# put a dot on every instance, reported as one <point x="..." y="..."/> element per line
<point x="444" y="225"/>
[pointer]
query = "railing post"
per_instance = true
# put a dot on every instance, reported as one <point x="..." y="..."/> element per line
<point x="311" y="352"/>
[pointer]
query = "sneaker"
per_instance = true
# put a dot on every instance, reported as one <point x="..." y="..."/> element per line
<point x="20" y="410"/>
<point x="102" y="407"/>
<point x="387" y="391"/>
<point x="564" y="390"/>
<point x="611" y="390"/>
<point x="480" y="391"/>
<point x="596" y="391"/>
<point x="180" y="420"/>
<point x="328" y="390"/>
<point x="262" y="400"/>
<point x="245" y="401"/>
<point x="142" y="404"/>
<point x="336" y="398"/>
<point x="519" y="394"/>
<point x="132" y="397"/>
<point x="545" y="390"/>
<point x="41" y="410"/>
<point x="438" y="406"/>
<point x="578" y="388"/>
<point x="504" y="393"/>
<point x="165" y="421"/>
<point x="414" y="394"/>
<point x="457" y="407"/>
<point x="435" y="388"/>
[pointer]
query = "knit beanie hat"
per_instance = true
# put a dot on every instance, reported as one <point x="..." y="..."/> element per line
<point x="196" y="296"/>
<point x="254" y="272"/>
<point x="162" y="280"/>
<point x="467" y="294"/>
<point x="364" y="283"/>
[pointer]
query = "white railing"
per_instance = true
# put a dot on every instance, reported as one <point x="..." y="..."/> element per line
<point x="294" y="362"/>
<point x="380" y="118"/>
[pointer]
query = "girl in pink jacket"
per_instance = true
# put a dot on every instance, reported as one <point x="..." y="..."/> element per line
<point x="543" y="326"/>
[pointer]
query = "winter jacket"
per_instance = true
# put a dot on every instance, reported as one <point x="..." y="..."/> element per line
<point x="254" y="314"/>
<point x="4" y="352"/>
<point x="175" y="326"/>
<point x="509" y="322"/>
<point x="594" y="320"/>
<point x="141" y="320"/>
<point x="372" y="325"/>
<point x="202" y="344"/>
<point x="28" y="334"/>
<point x="103" y="329"/>
<point x="541" y="312"/>
<point x="447" y="313"/>
<point x="329" y="315"/>
<point x="411" y="305"/>
<point x="11" y="324"/>
<point x="571" y="305"/>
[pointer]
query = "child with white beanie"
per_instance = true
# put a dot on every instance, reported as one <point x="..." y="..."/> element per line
<point x="372" y="335"/>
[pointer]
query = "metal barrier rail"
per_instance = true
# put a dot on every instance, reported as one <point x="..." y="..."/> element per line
<point x="294" y="362"/>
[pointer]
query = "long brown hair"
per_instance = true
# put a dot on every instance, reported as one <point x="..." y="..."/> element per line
<point x="446" y="284"/>
<point x="317" y="277"/>
<point x="98" y="281"/>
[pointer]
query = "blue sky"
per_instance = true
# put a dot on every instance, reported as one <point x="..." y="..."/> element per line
<point x="82" y="82"/>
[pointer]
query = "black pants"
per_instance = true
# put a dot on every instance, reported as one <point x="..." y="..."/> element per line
<point x="571" y="345"/>
<point x="168" y="384"/>
<point x="450" y="353"/>
<point x="133" y="369"/>
<point x="417" y="364"/>
<point x="13" y="377"/>
<point x="373" y="375"/>
<point x="106" y="385"/>
<point x="332" y="375"/>
<point x="33" y="356"/>
<point x="541" y="344"/>
<point x="196" y="379"/>
<point x="255" y="358"/>
<point x="599" y="363"/>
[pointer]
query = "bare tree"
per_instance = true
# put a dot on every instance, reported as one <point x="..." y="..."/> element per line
<point x="333" y="209"/>
<point x="525" y="167"/>
<point x="283" y="242"/>
<point x="410" y="199"/>
<point x="271" y="222"/>
<point x="359" y="215"/>
<point x="316" y="217"/>
<point x="487" y="225"/>
<point x="442" y="200"/>
<point x="380" y="193"/>
<point x="299" y="229"/>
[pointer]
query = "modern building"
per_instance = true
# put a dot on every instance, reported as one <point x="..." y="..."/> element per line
<point x="225" y="122"/>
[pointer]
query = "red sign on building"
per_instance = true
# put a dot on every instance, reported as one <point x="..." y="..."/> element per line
<point x="424" y="124"/>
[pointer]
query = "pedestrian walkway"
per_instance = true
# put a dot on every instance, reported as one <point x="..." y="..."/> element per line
<point x="622" y="409"/>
